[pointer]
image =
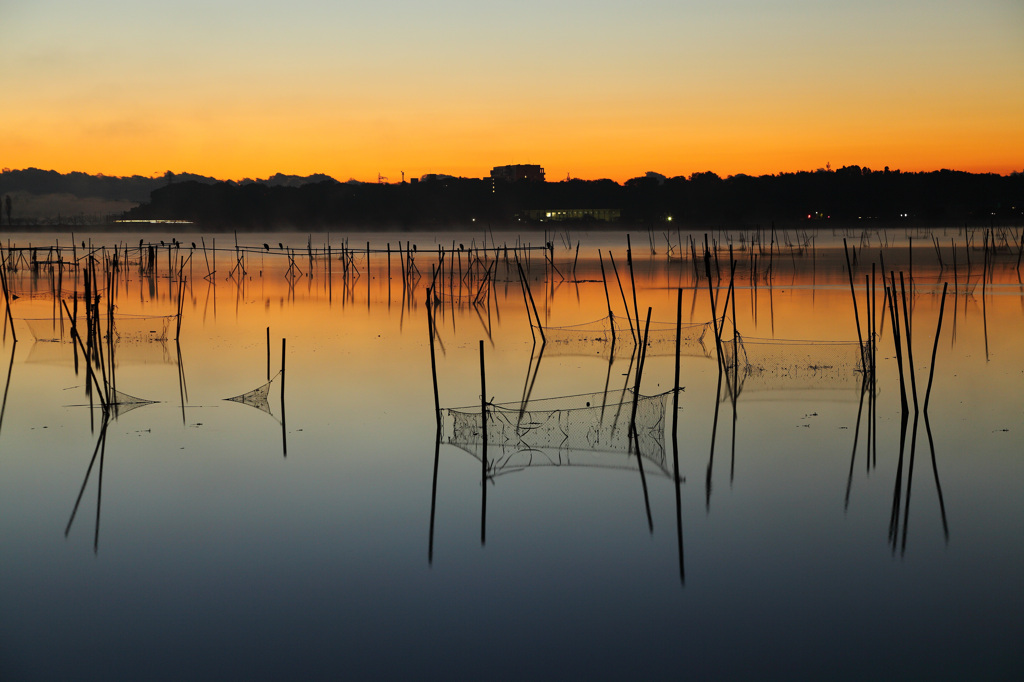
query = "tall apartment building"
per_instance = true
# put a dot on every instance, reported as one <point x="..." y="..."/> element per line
<point x="517" y="172"/>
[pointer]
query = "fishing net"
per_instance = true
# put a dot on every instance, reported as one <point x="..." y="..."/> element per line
<point x="46" y="330"/>
<point x="123" y="403"/>
<point x="596" y="339"/>
<point x="766" y="364"/>
<point x="257" y="397"/>
<point x="142" y="328"/>
<point x="588" y="429"/>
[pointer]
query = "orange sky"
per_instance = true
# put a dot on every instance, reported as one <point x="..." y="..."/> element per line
<point x="594" y="89"/>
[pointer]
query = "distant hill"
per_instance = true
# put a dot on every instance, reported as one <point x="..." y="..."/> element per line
<point x="48" y="197"/>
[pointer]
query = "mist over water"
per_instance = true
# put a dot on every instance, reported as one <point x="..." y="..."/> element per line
<point x="316" y="526"/>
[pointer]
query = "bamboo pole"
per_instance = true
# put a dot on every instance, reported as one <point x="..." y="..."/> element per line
<point x="897" y="343"/>
<point x="853" y="293"/>
<point x="540" y="326"/>
<point x="935" y="348"/>
<point x="632" y="280"/>
<point x="7" y="298"/>
<point x="625" y="305"/>
<point x="714" y="312"/>
<point x="910" y="349"/>
<point x="88" y="364"/>
<point x="433" y="360"/>
<point x="607" y="299"/>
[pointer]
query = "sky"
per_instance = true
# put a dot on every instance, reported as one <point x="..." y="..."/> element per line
<point x="588" y="89"/>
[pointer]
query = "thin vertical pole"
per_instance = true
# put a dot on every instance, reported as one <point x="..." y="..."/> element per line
<point x="910" y="350"/>
<point x="632" y="280"/>
<point x="607" y="298"/>
<point x="853" y="293"/>
<point x="894" y="321"/>
<point x="675" y="385"/>
<point x="7" y="299"/>
<point x="622" y="292"/>
<point x="540" y="326"/>
<point x="483" y="451"/>
<point x="935" y="348"/>
<point x="675" y="440"/>
<point x="433" y="361"/>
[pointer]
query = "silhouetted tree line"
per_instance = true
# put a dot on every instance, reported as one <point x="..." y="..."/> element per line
<point x="126" y="188"/>
<point x="848" y="194"/>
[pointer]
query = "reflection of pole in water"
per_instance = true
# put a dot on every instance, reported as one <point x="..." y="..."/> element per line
<point x="531" y="378"/>
<point x="675" y="440"/>
<point x="97" y="452"/>
<point x="632" y="420"/>
<point x="284" y="428"/>
<point x="935" y="471"/>
<point x="714" y="432"/>
<point x="894" y="517"/>
<point x="433" y="494"/>
<point x="984" y="318"/>
<point x="910" y="479"/>
<point x="483" y="454"/>
<point x="856" y="435"/>
<point x="7" y="385"/>
<point x="182" y="388"/>
<point x="99" y="491"/>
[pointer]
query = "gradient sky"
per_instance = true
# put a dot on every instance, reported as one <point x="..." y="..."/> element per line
<point x="593" y="89"/>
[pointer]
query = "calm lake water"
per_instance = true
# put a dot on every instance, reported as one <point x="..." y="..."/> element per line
<point x="324" y="532"/>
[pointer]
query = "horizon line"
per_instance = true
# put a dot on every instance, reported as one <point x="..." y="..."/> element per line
<point x="256" y="179"/>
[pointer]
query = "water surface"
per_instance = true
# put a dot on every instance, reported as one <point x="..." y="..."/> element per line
<point x="325" y="534"/>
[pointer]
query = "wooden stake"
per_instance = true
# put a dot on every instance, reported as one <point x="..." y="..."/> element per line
<point x="894" y="321"/>
<point x="88" y="364"/>
<point x="433" y="361"/>
<point x="625" y="305"/>
<point x="853" y="293"/>
<point x="910" y="349"/>
<point x="935" y="348"/>
<point x="675" y="385"/>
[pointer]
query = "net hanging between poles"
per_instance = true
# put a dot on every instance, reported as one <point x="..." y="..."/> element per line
<point x="595" y="338"/>
<point x="581" y="430"/>
<point x="122" y="403"/>
<point x="257" y="397"/>
<point x="765" y="364"/>
<point x="142" y="328"/>
<point x="46" y="330"/>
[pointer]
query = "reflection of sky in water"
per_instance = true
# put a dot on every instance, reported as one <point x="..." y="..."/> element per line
<point x="218" y="555"/>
